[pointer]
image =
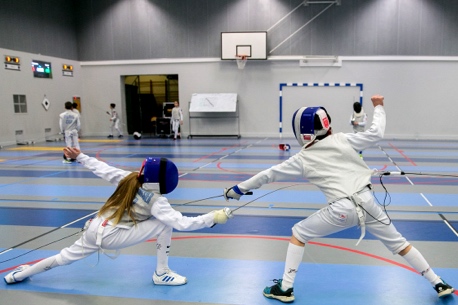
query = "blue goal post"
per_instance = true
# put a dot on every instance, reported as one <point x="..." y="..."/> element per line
<point x="313" y="85"/>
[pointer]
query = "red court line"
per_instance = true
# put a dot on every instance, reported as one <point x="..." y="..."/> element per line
<point x="28" y="263"/>
<point x="216" y="152"/>
<point x="401" y="152"/>
<point x="288" y="238"/>
<point x="272" y="238"/>
<point x="218" y="165"/>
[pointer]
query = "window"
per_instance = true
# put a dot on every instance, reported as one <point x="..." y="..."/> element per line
<point x="20" y="103"/>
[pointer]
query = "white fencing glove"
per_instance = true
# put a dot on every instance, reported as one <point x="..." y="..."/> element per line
<point x="221" y="216"/>
<point x="233" y="193"/>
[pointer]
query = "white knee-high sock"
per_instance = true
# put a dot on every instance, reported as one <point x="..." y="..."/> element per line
<point x="41" y="266"/>
<point x="419" y="263"/>
<point x="293" y="260"/>
<point x="163" y="249"/>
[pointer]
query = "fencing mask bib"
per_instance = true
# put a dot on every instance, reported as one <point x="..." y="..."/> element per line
<point x="310" y="122"/>
<point x="161" y="171"/>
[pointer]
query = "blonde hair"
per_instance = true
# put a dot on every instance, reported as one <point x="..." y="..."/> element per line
<point x="122" y="198"/>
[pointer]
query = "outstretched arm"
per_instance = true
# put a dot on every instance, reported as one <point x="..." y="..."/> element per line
<point x="163" y="211"/>
<point x="109" y="173"/>
<point x="291" y="168"/>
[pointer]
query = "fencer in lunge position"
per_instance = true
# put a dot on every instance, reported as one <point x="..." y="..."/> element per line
<point x="135" y="212"/>
<point x="114" y="119"/>
<point x="69" y="124"/>
<point x="176" y="120"/>
<point x="328" y="160"/>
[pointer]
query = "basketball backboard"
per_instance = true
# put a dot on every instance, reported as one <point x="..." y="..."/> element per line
<point x="251" y="44"/>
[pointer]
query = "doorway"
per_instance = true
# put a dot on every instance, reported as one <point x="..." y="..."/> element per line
<point x="146" y="98"/>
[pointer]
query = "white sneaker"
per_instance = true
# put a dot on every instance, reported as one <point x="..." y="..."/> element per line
<point x="169" y="278"/>
<point x="9" y="278"/>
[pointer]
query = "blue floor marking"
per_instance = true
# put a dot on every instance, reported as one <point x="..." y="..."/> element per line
<point x="450" y="200"/>
<point x="58" y="190"/>
<point x="237" y="282"/>
<point x="240" y="224"/>
<point x="42" y="217"/>
<point x="293" y="196"/>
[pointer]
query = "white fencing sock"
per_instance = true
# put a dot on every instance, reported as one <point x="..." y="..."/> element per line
<point x="418" y="262"/>
<point x="41" y="266"/>
<point x="163" y="249"/>
<point x="293" y="260"/>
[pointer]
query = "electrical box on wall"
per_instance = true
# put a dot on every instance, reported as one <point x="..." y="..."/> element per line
<point x="12" y="62"/>
<point x="67" y="70"/>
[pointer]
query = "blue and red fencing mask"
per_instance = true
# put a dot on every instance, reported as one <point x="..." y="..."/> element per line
<point x="161" y="171"/>
<point x="310" y="123"/>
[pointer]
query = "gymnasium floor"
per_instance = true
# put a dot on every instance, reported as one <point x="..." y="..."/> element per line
<point x="231" y="263"/>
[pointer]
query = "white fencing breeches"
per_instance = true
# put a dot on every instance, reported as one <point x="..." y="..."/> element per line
<point x="71" y="138"/>
<point x="341" y="215"/>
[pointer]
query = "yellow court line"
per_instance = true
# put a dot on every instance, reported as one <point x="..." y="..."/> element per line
<point x="40" y="148"/>
<point x="100" y="140"/>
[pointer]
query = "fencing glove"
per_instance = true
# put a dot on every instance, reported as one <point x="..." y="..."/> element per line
<point x="221" y="216"/>
<point x="233" y="193"/>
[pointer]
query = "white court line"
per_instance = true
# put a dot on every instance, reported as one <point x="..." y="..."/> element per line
<point x="223" y="157"/>
<point x="46" y="233"/>
<point x="447" y="223"/>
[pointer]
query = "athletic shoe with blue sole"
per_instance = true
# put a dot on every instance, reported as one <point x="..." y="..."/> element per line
<point x="169" y="278"/>
<point x="10" y="279"/>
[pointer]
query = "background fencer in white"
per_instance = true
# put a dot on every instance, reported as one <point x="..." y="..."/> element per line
<point x="177" y="120"/>
<point x="75" y="110"/>
<point x="330" y="162"/>
<point x="114" y="119"/>
<point x="148" y="214"/>
<point x="69" y="124"/>
<point x="358" y="118"/>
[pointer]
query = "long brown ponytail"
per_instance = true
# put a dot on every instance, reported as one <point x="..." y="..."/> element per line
<point x="122" y="198"/>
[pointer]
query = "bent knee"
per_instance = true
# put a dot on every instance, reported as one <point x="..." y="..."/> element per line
<point x="405" y="250"/>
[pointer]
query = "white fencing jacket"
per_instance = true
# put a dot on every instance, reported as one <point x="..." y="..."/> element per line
<point x="332" y="164"/>
<point x="147" y="203"/>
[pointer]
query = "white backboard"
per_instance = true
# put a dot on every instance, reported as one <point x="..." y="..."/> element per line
<point x="251" y="44"/>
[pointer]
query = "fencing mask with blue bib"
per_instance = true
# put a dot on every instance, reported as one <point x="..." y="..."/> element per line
<point x="310" y="123"/>
<point x="161" y="171"/>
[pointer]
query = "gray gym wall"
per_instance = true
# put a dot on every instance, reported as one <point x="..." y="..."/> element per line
<point x="404" y="49"/>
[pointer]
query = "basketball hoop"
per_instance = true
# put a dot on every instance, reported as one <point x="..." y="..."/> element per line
<point x="241" y="61"/>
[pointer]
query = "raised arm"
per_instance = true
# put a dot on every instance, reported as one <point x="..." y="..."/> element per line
<point x="362" y="140"/>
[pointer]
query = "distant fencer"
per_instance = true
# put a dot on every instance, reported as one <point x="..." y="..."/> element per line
<point x="114" y="119"/>
<point x="358" y="120"/>
<point x="328" y="161"/>
<point x="177" y="120"/>
<point x="69" y="124"/>
<point x="135" y="212"/>
<point x="75" y="110"/>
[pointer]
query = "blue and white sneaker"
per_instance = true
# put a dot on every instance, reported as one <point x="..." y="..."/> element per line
<point x="169" y="278"/>
<point x="9" y="278"/>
